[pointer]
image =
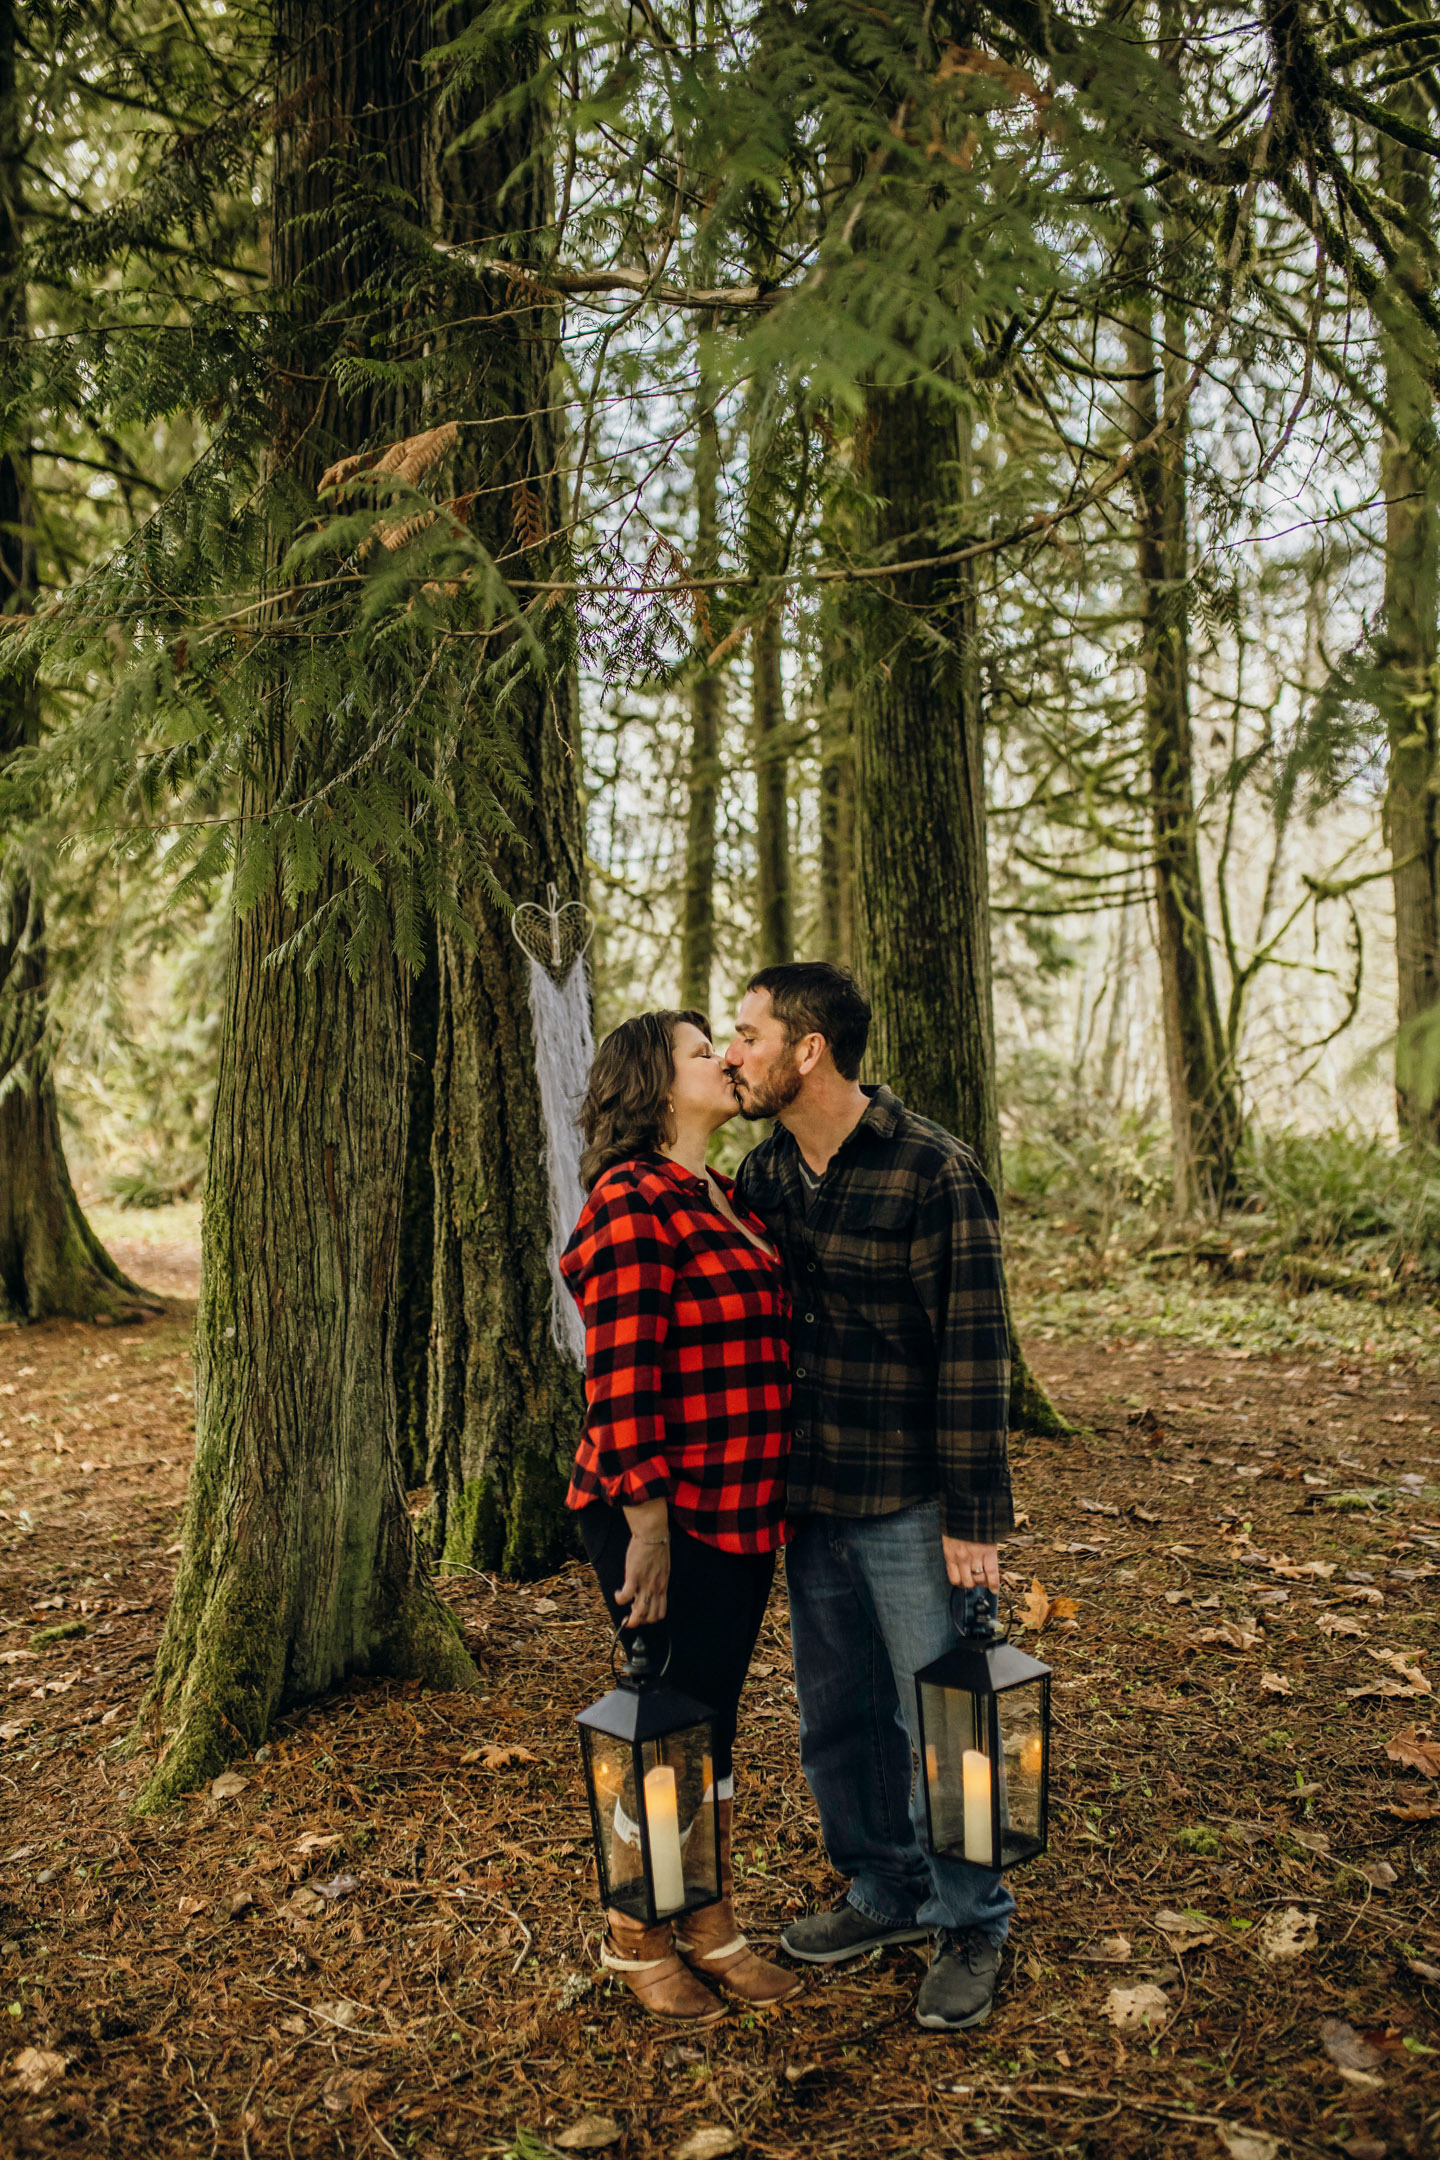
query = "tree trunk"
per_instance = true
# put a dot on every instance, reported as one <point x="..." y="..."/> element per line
<point x="415" y="1267"/>
<point x="923" y="902"/>
<point x="1410" y="683"/>
<point x="1205" y="1116"/>
<point x="774" y="936"/>
<point x="299" y="1564"/>
<point x="505" y="1399"/>
<point x="51" y="1262"/>
<point x="707" y="714"/>
<point x="836" y="938"/>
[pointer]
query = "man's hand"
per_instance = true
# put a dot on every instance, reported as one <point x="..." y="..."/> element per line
<point x="971" y="1567"/>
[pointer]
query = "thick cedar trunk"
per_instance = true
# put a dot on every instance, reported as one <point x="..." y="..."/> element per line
<point x="923" y="899"/>
<point x="707" y="714"/>
<point x="1205" y="1117"/>
<point x="299" y="1563"/>
<point x="505" y="1400"/>
<point x="51" y="1262"/>
<point x="415" y="1266"/>
<point x="1410" y="690"/>
<point x="772" y="794"/>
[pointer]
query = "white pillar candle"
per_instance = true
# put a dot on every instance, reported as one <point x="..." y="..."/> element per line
<point x="662" y="1814"/>
<point x="975" y="1781"/>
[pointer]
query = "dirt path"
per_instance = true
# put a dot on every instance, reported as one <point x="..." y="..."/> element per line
<point x="382" y="1941"/>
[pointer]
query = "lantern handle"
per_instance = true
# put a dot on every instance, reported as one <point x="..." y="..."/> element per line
<point x="994" y="1633"/>
<point x="637" y="1642"/>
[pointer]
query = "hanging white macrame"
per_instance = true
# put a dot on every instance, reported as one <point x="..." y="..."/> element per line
<point x="554" y="940"/>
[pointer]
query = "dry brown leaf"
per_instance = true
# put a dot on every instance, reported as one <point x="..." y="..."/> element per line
<point x="1348" y="2049"/>
<point x="37" y="2069"/>
<point x="1037" y="1608"/>
<point x="589" y="2134"/>
<point x="1231" y="1634"/>
<point x="1286" y="1935"/>
<point x="1145" y="2007"/>
<point x="228" y="1785"/>
<point x="1242" y="2144"/>
<point x="1185" y="1930"/>
<point x="1334" y="1623"/>
<point x="1274" y="1683"/>
<point x="349" y="2089"/>
<point x="1414" y="1811"/>
<point x="496" y="1757"/>
<point x="709" y="2143"/>
<point x="1415" y="1750"/>
<point x="1378" y="1873"/>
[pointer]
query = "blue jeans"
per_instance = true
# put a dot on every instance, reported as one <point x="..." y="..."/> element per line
<point x="869" y="1606"/>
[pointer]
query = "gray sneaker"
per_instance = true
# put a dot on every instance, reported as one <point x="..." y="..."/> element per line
<point x="827" y="1938"/>
<point x="959" y="1988"/>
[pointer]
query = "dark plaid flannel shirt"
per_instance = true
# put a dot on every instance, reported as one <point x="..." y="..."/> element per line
<point x="687" y="1358"/>
<point x="901" y="1354"/>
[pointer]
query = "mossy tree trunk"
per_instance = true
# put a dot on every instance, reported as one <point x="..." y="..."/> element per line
<point x="51" y="1262"/>
<point x="299" y="1565"/>
<point x="923" y="899"/>
<point x="505" y="1399"/>
<point x="1205" y="1112"/>
<point x="835" y="938"/>
<point x="1408" y="651"/>
<point x="707" y="718"/>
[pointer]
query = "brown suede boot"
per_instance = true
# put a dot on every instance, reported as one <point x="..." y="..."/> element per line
<point x="711" y="1943"/>
<point x="646" y="1961"/>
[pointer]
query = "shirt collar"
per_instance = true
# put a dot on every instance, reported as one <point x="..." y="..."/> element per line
<point x="881" y="1118"/>
<point x="679" y="1175"/>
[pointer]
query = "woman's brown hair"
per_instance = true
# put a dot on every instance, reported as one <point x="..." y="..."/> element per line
<point x="623" y="1113"/>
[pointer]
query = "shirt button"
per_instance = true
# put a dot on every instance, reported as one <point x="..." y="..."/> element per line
<point x="799" y="1432"/>
<point x="810" y="1317"/>
<point x="799" y="1372"/>
<point x="810" y="1267"/>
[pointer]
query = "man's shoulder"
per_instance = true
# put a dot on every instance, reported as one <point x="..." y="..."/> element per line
<point x="916" y="1147"/>
<point x="759" y="1171"/>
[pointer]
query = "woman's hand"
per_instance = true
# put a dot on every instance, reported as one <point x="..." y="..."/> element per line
<point x="647" y="1564"/>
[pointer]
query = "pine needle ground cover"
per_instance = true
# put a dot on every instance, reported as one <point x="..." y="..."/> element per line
<point x="378" y="1935"/>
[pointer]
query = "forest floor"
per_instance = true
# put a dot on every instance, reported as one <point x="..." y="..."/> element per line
<point x="378" y="1936"/>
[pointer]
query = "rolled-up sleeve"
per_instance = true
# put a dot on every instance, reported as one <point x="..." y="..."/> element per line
<point x="958" y="1276"/>
<point x="621" y="1273"/>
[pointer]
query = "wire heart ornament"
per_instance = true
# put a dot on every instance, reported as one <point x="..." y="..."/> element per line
<point x="553" y="935"/>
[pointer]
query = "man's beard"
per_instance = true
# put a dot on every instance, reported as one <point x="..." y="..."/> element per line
<point x="773" y="1094"/>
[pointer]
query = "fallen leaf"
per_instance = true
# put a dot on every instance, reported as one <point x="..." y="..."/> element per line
<point x="305" y="1905"/>
<point x="1407" y="1664"/>
<point x="1185" y="1930"/>
<point x="1334" y="1623"/>
<point x="348" y="2089"/>
<point x="588" y="2134"/>
<point x="1247" y="2144"/>
<point x="495" y="1757"/>
<point x="228" y="1785"/>
<point x="1414" y="1811"/>
<point x="13" y="1727"/>
<point x="342" y="2012"/>
<point x="1098" y="1507"/>
<point x="1145" y="2006"/>
<point x="1113" y="1950"/>
<point x="1037" y="1607"/>
<point x="1365" y="2148"/>
<point x="317" y="1841"/>
<point x="37" y="2069"/>
<point x="189" y="1906"/>
<point x="709" y="2143"/>
<point x="1423" y="1969"/>
<point x="296" y="2025"/>
<point x="545" y="1605"/>
<point x="240" y="1902"/>
<point x="1346" y="2047"/>
<point x="1274" y="1683"/>
<point x="1288" y="1934"/>
<point x="337" y="1887"/>
<point x="1378" y="1873"/>
<point x="17" y="1657"/>
<point x="794" y="2072"/>
<point x="1234" y="1634"/>
<point x="1416" y="1751"/>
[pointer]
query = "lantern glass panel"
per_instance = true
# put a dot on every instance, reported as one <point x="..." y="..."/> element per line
<point x="670" y="1782"/>
<point x="1023" y="1724"/>
<point x="955" y="1725"/>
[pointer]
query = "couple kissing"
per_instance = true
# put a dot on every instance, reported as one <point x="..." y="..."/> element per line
<point x="814" y="1356"/>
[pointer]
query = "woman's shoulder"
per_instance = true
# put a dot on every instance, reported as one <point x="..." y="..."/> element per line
<point x="638" y="1186"/>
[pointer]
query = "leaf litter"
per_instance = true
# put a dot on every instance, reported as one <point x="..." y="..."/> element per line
<point x="386" y="1935"/>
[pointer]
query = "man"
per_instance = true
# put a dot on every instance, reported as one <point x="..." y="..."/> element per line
<point x="899" y="1481"/>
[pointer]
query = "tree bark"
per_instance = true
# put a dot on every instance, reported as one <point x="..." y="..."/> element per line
<point x="1407" y="654"/>
<point x="1205" y="1115"/>
<point x="774" y="935"/>
<point x="299" y="1565"/>
<point x="707" y="716"/>
<point x="505" y="1399"/>
<point x="51" y="1262"/>
<point x="923" y="899"/>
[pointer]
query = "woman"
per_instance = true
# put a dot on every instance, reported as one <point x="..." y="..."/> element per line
<point x="680" y="1473"/>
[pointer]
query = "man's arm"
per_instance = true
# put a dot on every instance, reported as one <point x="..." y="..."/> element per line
<point x="958" y="1274"/>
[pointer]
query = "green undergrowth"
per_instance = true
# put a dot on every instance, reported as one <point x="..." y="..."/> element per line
<point x="1060" y="1297"/>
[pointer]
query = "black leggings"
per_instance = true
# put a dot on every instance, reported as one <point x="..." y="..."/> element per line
<point x="713" y="1610"/>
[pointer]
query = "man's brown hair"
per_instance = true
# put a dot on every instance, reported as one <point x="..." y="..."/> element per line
<point x="814" y="997"/>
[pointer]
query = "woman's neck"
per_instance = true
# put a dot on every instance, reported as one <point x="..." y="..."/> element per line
<point x="688" y="1148"/>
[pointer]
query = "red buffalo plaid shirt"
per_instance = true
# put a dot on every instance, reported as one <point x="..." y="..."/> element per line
<point x="687" y="1361"/>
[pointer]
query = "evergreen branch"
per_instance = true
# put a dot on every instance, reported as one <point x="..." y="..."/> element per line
<point x="1384" y="121"/>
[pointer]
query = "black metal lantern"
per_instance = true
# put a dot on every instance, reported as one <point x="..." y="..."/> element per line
<point x="985" y="1749"/>
<point x="649" y="1754"/>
